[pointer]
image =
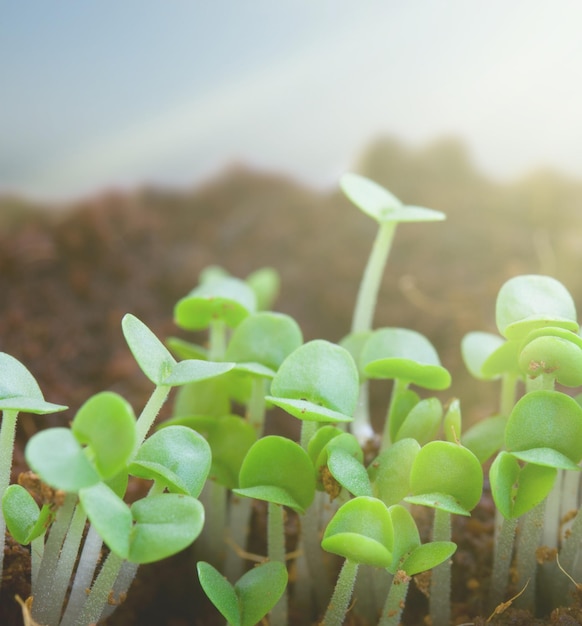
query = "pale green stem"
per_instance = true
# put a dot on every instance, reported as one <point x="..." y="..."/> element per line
<point x="150" y="412"/>
<point x="400" y="386"/>
<point x="42" y="591"/>
<point x="440" y="582"/>
<point x="256" y="406"/>
<point x="50" y="613"/>
<point x="276" y="551"/>
<point x="7" y="436"/>
<point x="125" y="577"/>
<point x="313" y="552"/>
<point x="507" y="396"/>
<point x="83" y="576"/>
<point x="395" y="600"/>
<point x="501" y="562"/>
<point x="36" y="555"/>
<point x="545" y="382"/>
<point x="360" y="425"/>
<point x="308" y="429"/>
<point x="342" y="594"/>
<point x="370" y="284"/>
<point x="210" y="545"/>
<point x="239" y="519"/>
<point x="99" y="595"/>
<point x="529" y="536"/>
<point x="217" y="340"/>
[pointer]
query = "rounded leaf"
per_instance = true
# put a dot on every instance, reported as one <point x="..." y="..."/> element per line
<point x="278" y="470"/>
<point x="19" y="390"/>
<point x="422" y="422"/>
<point x="228" y="299"/>
<point x="404" y="354"/>
<point x="259" y="589"/>
<point x="555" y="352"/>
<point x="24" y="519"/>
<point x="390" y="471"/>
<point x="380" y="204"/>
<point x="545" y="427"/>
<point x="58" y="458"/>
<point x="265" y="283"/>
<point x="176" y="456"/>
<point x="318" y="381"/>
<point x="361" y="531"/>
<point x="105" y="423"/>
<point x="427" y="556"/>
<point x="446" y="475"/>
<point x="516" y="489"/>
<point x="349" y="472"/>
<point x="486" y="437"/>
<point x="406" y="536"/>
<point x="531" y="301"/>
<point x="265" y="339"/>
<point x="476" y="348"/>
<point x="220" y="592"/>
<point x="164" y="525"/>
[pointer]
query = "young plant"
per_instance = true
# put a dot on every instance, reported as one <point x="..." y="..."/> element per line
<point x="386" y="209"/>
<point x="19" y="391"/>
<point x="448" y="478"/>
<point x="252" y="596"/>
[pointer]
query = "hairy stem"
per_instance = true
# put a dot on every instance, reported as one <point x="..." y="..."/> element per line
<point x="440" y="582"/>
<point x="528" y="542"/>
<point x="502" y="562"/>
<point x="342" y="594"/>
<point x="395" y="600"/>
<point x="276" y="550"/>
<point x="7" y="436"/>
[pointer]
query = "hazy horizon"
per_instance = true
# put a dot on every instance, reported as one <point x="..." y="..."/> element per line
<point x="110" y="94"/>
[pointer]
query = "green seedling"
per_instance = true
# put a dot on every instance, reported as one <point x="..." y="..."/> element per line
<point x="525" y="303"/>
<point x="19" y="391"/>
<point x="247" y="601"/>
<point x="280" y="472"/>
<point x="406" y="357"/>
<point x="447" y="477"/>
<point x="409" y="557"/>
<point x="258" y="346"/>
<point x="317" y="383"/>
<point x="388" y="211"/>
<point x="361" y="532"/>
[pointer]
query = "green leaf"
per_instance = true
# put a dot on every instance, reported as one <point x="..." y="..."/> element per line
<point x="58" y="458"/>
<point x="525" y="303"/>
<point x="476" y="348"/>
<point x="278" y="470"/>
<point x="164" y="525"/>
<point x="452" y="421"/>
<point x="227" y="299"/>
<point x="427" y="556"/>
<point x="486" y="437"/>
<point x="546" y="419"/>
<point x="105" y="423"/>
<point x="19" y="390"/>
<point x="516" y="489"/>
<point x="361" y="530"/>
<point x="390" y="471"/>
<point x="186" y="349"/>
<point x="446" y="475"/>
<point x="349" y="472"/>
<point x="406" y="355"/>
<point x="191" y="371"/>
<point x="317" y="381"/>
<point x="380" y="204"/>
<point x="422" y="422"/>
<point x="265" y="339"/>
<point x="259" y="590"/>
<point x="24" y="519"/>
<point x="406" y="536"/>
<point x="178" y="457"/>
<point x="220" y="592"/>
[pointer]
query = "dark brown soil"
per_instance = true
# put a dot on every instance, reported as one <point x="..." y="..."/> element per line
<point x="67" y="277"/>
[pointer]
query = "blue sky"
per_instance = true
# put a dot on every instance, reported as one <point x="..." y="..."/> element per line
<point x="103" y="92"/>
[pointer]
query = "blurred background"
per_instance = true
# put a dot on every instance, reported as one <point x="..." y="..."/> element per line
<point x="101" y="94"/>
<point x="173" y="135"/>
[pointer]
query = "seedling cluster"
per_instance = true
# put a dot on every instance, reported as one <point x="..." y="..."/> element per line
<point x="211" y="462"/>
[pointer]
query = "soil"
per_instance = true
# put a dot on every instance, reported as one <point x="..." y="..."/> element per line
<point x="68" y="276"/>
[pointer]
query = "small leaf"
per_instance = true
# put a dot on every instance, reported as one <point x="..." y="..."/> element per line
<point x="259" y="590"/>
<point x="19" y="390"/>
<point x="349" y="472"/>
<point x="192" y="371"/>
<point x="58" y="458"/>
<point x="406" y="355"/>
<point x="423" y="421"/>
<point x="427" y="556"/>
<point x="406" y="536"/>
<point x="164" y="525"/>
<point x="106" y="424"/>
<point x="390" y="471"/>
<point x="525" y="303"/>
<point x="278" y="470"/>
<point x="228" y="299"/>
<point x="220" y="592"/>
<point x="178" y="457"/>
<point x="476" y="348"/>
<point x="24" y="519"/>
<point x="361" y="530"/>
<point x="486" y="437"/>
<point x="317" y="381"/>
<point x="265" y="283"/>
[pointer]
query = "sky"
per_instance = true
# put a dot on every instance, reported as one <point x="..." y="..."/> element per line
<point x="102" y="93"/>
